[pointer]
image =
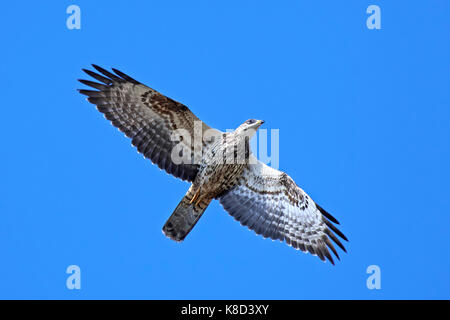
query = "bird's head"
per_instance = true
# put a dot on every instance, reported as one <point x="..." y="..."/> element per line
<point x="250" y="126"/>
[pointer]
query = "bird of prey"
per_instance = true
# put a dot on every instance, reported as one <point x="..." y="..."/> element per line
<point x="262" y="198"/>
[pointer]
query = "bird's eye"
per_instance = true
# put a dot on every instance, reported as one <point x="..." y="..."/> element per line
<point x="251" y="121"/>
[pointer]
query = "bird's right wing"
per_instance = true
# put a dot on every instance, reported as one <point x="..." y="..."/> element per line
<point x="269" y="202"/>
<point x="151" y="120"/>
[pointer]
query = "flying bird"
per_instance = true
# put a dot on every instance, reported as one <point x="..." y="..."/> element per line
<point x="262" y="198"/>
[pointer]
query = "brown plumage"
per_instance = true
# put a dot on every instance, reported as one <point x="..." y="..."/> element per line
<point x="219" y="165"/>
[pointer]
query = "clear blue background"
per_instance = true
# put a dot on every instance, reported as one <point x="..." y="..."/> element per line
<point x="364" y="120"/>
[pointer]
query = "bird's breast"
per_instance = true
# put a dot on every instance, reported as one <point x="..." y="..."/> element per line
<point x="221" y="166"/>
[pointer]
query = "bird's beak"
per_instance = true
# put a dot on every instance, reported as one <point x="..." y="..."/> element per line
<point x="260" y="122"/>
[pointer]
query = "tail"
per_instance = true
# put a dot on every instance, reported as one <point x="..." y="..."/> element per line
<point x="184" y="218"/>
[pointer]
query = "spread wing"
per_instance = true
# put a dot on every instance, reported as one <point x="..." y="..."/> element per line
<point x="150" y="119"/>
<point x="269" y="202"/>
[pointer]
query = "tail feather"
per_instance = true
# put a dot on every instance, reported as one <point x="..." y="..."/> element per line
<point x="184" y="218"/>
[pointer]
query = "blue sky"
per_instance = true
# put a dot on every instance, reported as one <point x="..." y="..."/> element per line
<point x="364" y="120"/>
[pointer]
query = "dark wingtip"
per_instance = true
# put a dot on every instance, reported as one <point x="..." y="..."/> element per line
<point x="125" y="76"/>
<point x="329" y="244"/>
<point x="328" y="255"/>
<point x="333" y="237"/>
<point x="86" y="92"/>
<point x="96" y="67"/>
<point x="107" y="73"/>
<point x="327" y="215"/>
<point x="335" y="230"/>
<point x="98" y="77"/>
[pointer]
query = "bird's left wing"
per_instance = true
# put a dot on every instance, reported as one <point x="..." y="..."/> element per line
<point x="151" y="120"/>
<point x="269" y="202"/>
